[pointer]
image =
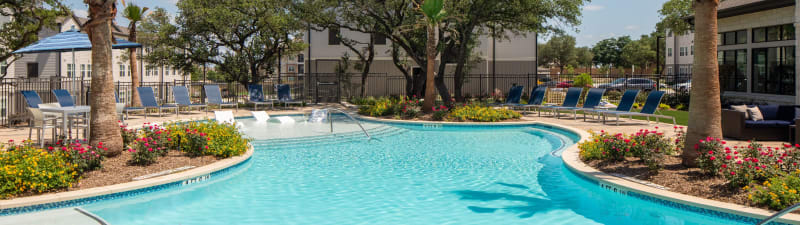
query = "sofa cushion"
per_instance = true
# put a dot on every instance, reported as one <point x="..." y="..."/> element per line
<point x="741" y="108"/>
<point x="754" y="114"/>
<point x="766" y="124"/>
<point x="769" y="112"/>
<point x="788" y="113"/>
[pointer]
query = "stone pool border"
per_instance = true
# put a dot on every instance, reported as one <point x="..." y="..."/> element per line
<point x="641" y="191"/>
<point x="80" y="197"/>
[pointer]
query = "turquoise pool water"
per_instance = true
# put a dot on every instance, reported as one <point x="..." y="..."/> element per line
<point x="406" y="175"/>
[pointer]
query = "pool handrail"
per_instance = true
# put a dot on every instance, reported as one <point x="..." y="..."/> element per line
<point x="779" y="214"/>
<point x="330" y="119"/>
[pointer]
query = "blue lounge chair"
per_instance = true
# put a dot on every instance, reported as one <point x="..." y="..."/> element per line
<point x="570" y="101"/>
<point x="148" y="99"/>
<point x="285" y="95"/>
<point x="121" y="108"/>
<point x="648" y="110"/>
<point x="214" y="97"/>
<point x="64" y="98"/>
<point x="256" y="96"/>
<point x="182" y="98"/>
<point x="593" y="98"/>
<point x="625" y="103"/>
<point x="514" y="95"/>
<point x="536" y="99"/>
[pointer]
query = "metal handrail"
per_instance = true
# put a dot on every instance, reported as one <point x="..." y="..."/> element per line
<point x="348" y="116"/>
<point x="779" y="214"/>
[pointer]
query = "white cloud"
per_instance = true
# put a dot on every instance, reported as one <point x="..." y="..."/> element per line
<point x="631" y="27"/>
<point x="594" y="7"/>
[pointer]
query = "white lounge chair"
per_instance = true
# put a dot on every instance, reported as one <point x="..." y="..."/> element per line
<point x="260" y="116"/>
<point x="224" y="117"/>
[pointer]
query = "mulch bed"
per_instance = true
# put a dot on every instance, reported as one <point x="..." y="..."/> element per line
<point x="117" y="170"/>
<point x="677" y="178"/>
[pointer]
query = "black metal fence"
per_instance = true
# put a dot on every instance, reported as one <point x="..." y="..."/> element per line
<point x="327" y="87"/>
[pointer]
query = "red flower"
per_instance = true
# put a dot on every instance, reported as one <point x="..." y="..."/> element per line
<point x="712" y="158"/>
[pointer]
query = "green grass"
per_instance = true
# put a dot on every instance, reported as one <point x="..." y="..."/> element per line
<point x="681" y="117"/>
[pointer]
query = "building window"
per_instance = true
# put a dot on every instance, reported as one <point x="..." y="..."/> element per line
<point x="166" y="70"/>
<point x="379" y="39"/>
<point x="773" y="70"/>
<point x="70" y="70"/>
<point x="334" y="36"/>
<point x="3" y="68"/>
<point x="301" y="58"/>
<point x="682" y="51"/>
<point x="147" y="71"/>
<point x="773" y="33"/>
<point x="121" y="70"/>
<point x="83" y="70"/>
<point x="692" y="49"/>
<point x="733" y="37"/>
<point x="301" y="69"/>
<point x="669" y="52"/>
<point x="733" y="70"/>
<point x="291" y="69"/>
<point x="33" y="70"/>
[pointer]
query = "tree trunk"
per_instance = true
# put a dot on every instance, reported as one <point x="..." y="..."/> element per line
<point x="104" y="127"/>
<point x="367" y="66"/>
<point x="134" y="68"/>
<point x="430" y="91"/>
<point x="440" y="84"/>
<point x="704" y="105"/>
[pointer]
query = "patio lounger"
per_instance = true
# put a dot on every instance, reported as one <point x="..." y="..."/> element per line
<point x="261" y="116"/>
<point x="64" y="98"/>
<point x="570" y="101"/>
<point x="514" y="95"/>
<point x="536" y="99"/>
<point x="648" y="110"/>
<point x="625" y="103"/>
<point x="256" y="96"/>
<point x="214" y="96"/>
<point x="593" y="98"/>
<point x="182" y="98"/>
<point x="223" y="117"/>
<point x="148" y="99"/>
<point x="285" y="95"/>
<point x="121" y="108"/>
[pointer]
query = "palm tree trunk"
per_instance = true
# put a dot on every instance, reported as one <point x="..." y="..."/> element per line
<point x="430" y="86"/>
<point x="704" y="106"/>
<point x="134" y="68"/>
<point x="104" y="128"/>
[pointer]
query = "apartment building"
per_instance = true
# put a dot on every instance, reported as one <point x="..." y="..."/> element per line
<point x="514" y="56"/>
<point x="756" y="52"/>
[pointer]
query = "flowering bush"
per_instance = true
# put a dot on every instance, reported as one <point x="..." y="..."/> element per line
<point x="27" y="169"/>
<point x="381" y="107"/>
<point x="708" y="159"/>
<point x="128" y="135"/>
<point x="208" y="138"/>
<point x="778" y="192"/>
<point x="142" y="153"/>
<point x="648" y="145"/>
<point x="480" y="113"/>
<point x="439" y="113"/>
<point x="84" y="156"/>
<point x="742" y="165"/>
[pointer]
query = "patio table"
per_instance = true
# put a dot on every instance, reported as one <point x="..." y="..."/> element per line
<point x="66" y="111"/>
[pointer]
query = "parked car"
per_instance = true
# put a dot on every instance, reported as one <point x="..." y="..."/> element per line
<point x="631" y="83"/>
<point x="684" y="87"/>
<point x="565" y="84"/>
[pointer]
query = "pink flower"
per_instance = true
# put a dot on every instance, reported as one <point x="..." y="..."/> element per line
<point x="712" y="158"/>
<point x="733" y="173"/>
<point x="710" y="152"/>
<point x="724" y="166"/>
<point x="150" y="149"/>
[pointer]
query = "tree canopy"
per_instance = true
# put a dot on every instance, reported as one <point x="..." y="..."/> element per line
<point x="559" y="51"/>
<point x="639" y="52"/>
<point x="29" y="19"/>
<point x="608" y="52"/>
<point x="673" y="16"/>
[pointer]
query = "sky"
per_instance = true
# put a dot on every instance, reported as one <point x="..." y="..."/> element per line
<point x="601" y="18"/>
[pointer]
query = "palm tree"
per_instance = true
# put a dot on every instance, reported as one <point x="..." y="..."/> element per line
<point x="704" y="106"/>
<point x="434" y="13"/>
<point x="104" y="128"/>
<point x="134" y="14"/>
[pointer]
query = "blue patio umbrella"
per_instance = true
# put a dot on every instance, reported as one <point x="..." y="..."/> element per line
<point x="70" y="41"/>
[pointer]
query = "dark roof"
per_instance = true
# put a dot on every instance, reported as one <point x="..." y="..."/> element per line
<point x="730" y="8"/>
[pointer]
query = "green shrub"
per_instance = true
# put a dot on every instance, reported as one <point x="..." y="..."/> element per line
<point x="778" y="192"/>
<point x="649" y="146"/>
<point x="583" y="80"/>
<point x="439" y="113"/>
<point x="27" y="169"/>
<point x="480" y="113"/>
<point x="663" y="106"/>
<point x="209" y="138"/>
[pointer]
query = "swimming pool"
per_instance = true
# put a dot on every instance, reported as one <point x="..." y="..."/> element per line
<point x="407" y="174"/>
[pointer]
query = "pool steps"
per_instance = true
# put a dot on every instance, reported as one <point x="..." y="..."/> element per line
<point x="354" y="136"/>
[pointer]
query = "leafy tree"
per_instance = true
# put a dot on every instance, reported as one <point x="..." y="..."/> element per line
<point x="559" y="51"/>
<point x="103" y="125"/>
<point x="434" y="13"/>
<point x="29" y="19"/>
<point x="608" y="52"/>
<point x="242" y="38"/>
<point x="134" y="14"/>
<point x="639" y="53"/>
<point x="705" y="116"/>
<point x="673" y="16"/>
<point x="584" y="57"/>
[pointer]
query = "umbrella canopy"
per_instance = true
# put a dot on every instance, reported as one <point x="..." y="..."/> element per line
<point x="71" y="40"/>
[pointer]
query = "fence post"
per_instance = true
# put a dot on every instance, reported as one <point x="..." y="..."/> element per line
<point x="626" y="79"/>
<point x="658" y="82"/>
